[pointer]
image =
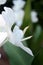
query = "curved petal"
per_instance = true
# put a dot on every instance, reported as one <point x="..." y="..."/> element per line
<point x="8" y="15"/>
<point x="16" y="35"/>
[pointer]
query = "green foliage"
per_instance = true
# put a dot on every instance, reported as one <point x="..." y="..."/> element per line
<point x="16" y="55"/>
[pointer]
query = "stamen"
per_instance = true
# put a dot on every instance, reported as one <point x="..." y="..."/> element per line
<point x="25" y="29"/>
<point x="26" y="38"/>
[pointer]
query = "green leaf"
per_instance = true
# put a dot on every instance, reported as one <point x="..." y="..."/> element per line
<point x="37" y="33"/>
<point x="35" y="45"/>
<point x="16" y="55"/>
<point x="27" y="16"/>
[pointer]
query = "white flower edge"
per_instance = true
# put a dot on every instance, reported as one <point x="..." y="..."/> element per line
<point x="19" y="15"/>
<point x="18" y="5"/>
<point x="2" y="2"/>
<point x="8" y="16"/>
<point x="34" y="17"/>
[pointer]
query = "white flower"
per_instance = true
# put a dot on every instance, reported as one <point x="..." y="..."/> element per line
<point x="16" y="38"/>
<point x="2" y="2"/>
<point x="19" y="15"/>
<point x="19" y="4"/>
<point x="34" y="16"/>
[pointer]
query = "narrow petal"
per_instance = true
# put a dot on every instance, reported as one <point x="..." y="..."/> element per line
<point x="26" y="49"/>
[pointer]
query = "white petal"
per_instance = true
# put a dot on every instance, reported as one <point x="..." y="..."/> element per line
<point x="2" y="29"/>
<point x="26" y="49"/>
<point x="2" y="21"/>
<point x="19" y="15"/>
<point x="8" y="15"/>
<point x="19" y="23"/>
<point x="18" y="4"/>
<point x="18" y="33"/>
<point x="3" y="25"/>
<point x="3" y="36"/>
<point x="2" y="2"/>
<point x="34" y="16"/>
